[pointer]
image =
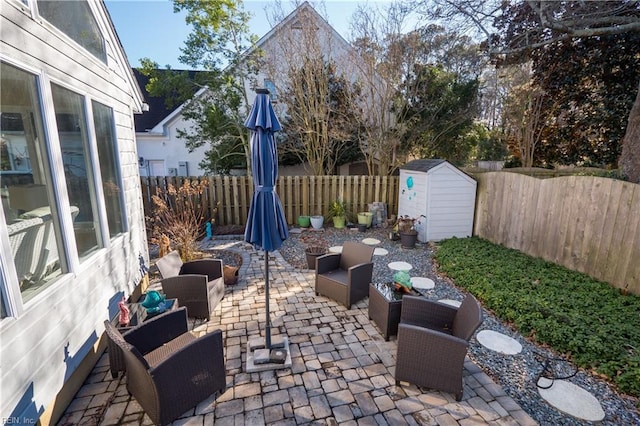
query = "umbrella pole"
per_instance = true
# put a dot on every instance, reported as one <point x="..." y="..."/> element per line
<point x="266" y="292"/>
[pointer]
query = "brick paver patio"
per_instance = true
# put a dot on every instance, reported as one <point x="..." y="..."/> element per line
<point x="342" y="370"/>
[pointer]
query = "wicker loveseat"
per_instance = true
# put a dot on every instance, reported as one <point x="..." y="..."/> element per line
<point x="198" y="285"/>
<point x="169" y="370"/>
<point x="432" y="342"/>
<point x="345" y="277"/>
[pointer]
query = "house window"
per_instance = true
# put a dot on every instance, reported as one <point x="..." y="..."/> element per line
<point x="72" y="132"/>
<point x="25" y="183"/>
<point x="271" y="87"/>
<point x="75" y="19"/>
<point x="109" y="167"/>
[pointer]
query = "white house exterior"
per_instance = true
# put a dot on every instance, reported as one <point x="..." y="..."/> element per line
<point x="440" y="196"/>
<point x="163" y="154"/>
<point x="160" y="151"/>
<point x="72" y="223"/>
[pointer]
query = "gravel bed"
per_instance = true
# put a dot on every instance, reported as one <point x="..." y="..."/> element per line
<point x="517" y="374"/>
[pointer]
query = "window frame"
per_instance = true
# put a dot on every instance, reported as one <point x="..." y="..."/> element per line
<point x="118" y="166"/>
<point x="70" y="262"/>
<point x="35" y="13"/>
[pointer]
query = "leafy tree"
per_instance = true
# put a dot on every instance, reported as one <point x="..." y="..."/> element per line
<point x="589" y="83"/>
<point x="489" y="143"/>
<point x="217" y="44"/>
<point x="386" y="60"/>
<point x="523" y="27"/>
<point x="442" y="109"/>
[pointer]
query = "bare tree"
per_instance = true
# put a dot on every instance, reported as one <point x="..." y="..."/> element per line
<point x="553" y="21"/>
<point x="382" y="67"/>
<point x="523" y="114"/>
<point x="300" y="61"/>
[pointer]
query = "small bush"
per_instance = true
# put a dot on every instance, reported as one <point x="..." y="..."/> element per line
<point x="179" y="214"/>
<point x="586" y="319"/>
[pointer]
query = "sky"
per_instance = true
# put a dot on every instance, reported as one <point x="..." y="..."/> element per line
<point x="149" y="28"/>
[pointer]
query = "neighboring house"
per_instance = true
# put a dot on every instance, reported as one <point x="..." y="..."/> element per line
<point x="160" y="151"/>
<point x="72" y="229"/>
<point x="163" y="154"/>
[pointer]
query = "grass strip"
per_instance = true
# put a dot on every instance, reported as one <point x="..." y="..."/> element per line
<point x="588" y="320"/>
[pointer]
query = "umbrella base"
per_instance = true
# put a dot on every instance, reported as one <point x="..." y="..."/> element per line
<point x="260" y="358"/>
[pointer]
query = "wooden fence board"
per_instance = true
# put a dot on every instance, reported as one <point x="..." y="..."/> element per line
<point x="563" y="218"/>
<point x="481" y="213"/>
<point x="304" y="184"/>
<point x="626" y="262"/>
<point x="631" y="280"/>
<point x="579" y="214"/>
<point x="596" y="216"/>
<point x="609" y="223"/>
<point x="507" y="211"/>
<point x="529" y="203"/>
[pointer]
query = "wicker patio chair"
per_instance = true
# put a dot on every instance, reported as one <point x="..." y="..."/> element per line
<point x="433" y="340"/>
<point x="198" y="285"/>
<point x="345" y="277"/>
<point x="169" y="370"/>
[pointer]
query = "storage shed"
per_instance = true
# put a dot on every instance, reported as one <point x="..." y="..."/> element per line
<point x="441" y="196"/>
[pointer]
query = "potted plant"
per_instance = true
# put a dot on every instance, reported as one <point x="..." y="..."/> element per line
<point x="338" y="211"/>
<point x="312" y="253"/>
<point x="407" y="231"/>
<point x="365" y="218"/>
<point x="304" y="221"/>
<point x="317" y="221"/>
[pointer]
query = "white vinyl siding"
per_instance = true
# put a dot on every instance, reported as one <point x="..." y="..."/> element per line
<point x="45" y="339"/>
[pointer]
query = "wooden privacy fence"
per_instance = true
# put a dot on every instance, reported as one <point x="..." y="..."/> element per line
<point x="300" y="195"/>
<point x="589" y="224"/>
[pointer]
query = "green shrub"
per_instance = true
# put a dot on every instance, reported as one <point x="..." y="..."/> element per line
<point x="587" y="320"/>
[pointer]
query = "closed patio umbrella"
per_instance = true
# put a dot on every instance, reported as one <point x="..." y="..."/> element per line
<point x="266" y="224"/>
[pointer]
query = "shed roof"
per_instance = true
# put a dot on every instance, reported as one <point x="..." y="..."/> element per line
<point x="422" y="165"/>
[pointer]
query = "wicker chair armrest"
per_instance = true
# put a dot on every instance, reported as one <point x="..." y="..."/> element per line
<point x="202" y="359"/>
<point x="327" y="262"/>
<point x="425" y="344"/>
<point x="157" y="331"/>
<point x="212" y="268"/>
<point x="361" y="272"/>
<point x="427" y="313"/>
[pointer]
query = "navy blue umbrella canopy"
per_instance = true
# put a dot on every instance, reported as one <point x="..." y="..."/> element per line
<point x="266" y="224"/>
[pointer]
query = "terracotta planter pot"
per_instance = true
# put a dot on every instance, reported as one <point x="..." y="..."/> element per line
<point x="230" y="274"/>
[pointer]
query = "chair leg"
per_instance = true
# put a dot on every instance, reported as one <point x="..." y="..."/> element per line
<point x="459" y="396"/>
